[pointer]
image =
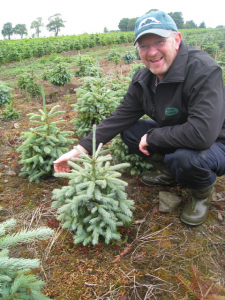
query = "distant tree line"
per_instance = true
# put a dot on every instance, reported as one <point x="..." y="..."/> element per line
<point x="106" y="30"/>
<point x="55" y="24"/>
<point x="127" y="24"/>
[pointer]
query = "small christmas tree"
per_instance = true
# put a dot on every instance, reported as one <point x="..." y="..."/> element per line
<point x="120" y="85"/>
<point x="5" y="97"/>
<point x="95" y="102"/>
<point x="84" y="62"/>
<point x="94" y="203"/>
<point x="43" y="144"/>
<point x="60" y="75"/>
<point x="129" y="57"/>
<point x="16" y="281"/>
<point x="27" y="82"/>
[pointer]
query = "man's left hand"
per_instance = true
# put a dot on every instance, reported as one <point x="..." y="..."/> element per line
<point x="143" y="145"/>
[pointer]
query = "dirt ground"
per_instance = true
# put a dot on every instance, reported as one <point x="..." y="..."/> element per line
<point x="159" y="255"/>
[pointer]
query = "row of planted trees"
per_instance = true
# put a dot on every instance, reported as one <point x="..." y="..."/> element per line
<point x="208" y="40"/>
<point x="11" y="51"/>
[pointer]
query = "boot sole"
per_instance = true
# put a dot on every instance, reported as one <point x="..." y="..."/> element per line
<point x="154" y="184"/>
<point x="191" y="224"/>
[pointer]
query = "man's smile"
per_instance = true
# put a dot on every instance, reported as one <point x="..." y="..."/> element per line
<point x="156" y="60"/>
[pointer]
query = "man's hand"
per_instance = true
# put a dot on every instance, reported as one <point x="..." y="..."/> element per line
<point x="61" y="165"/>
<point x="143" y="145"/>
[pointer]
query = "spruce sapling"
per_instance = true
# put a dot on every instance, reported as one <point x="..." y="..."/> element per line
<point x="121" y="153"/>
<point x="120" y="85"/>
<point x="5" y="97"/>
<point x="94" y="204"/>
<point x="43" y="144"/>
<point x="84" y="62"/>
<point x="128" y="57"/>
<point x="60" y="75"/>
<point x="95" y="102"/>
<point x="16" y="282"/>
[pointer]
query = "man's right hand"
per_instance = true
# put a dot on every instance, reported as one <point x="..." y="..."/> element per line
<point x="61" y="165"/>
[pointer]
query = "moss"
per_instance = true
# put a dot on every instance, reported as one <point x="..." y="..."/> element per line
<point x="163" y="274"/>
<point x="155" y="227"/>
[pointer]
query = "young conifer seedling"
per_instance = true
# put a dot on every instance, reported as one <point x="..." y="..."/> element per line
<point x="94" y="204"/>
<point x="43" y="144"/>
<point x="16" y="280"/>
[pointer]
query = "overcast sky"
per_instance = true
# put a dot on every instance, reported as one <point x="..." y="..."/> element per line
<point x="92" y="16"/>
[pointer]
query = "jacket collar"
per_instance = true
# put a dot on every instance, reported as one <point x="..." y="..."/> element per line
<point x="176" y="72"/>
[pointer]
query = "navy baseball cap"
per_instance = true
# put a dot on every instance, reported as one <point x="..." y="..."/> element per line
<point x="156" y="22"/>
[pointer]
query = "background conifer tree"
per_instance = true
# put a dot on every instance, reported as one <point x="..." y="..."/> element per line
<point x="94" y="204"/>
<point x="16" y="282"/>
<point x="121" y="153"/>
<point x="5" y="97"/>
<point x="95" y="102"/>
<point x="43" y="144"/>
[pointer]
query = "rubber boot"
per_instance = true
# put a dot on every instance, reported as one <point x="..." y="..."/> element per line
<point x="162" y="178"/>
<point x="196" y="210"/>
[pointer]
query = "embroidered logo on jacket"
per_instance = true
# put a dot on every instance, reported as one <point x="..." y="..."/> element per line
<point x="171" y="111"/>
<point x="148" y="21"/>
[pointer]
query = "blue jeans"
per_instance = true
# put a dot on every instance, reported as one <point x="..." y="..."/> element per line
<point x="192" y="169"/>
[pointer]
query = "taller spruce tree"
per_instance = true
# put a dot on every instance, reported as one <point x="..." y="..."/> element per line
<point x="94" y="204"/>
<point x="43" y="144"/>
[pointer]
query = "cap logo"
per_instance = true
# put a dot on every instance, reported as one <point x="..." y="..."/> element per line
<point x="148" y="21"/>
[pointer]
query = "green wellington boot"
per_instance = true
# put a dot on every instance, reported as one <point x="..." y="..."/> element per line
<point x="162" y="178"/>
<point x="196" y="210"/>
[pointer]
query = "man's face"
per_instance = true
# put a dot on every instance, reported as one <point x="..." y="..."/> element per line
<point x="158" y="53"/>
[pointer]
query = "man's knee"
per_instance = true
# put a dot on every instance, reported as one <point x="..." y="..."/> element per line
<point x="180" y="159"/>
<point x="185" y="165"/>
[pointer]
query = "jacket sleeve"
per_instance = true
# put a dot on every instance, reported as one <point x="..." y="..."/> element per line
<point x="129" y="111"/>
<point x="206" y="114"/>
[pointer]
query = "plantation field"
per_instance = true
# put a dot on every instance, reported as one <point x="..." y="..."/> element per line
<point x="159" y="257"/>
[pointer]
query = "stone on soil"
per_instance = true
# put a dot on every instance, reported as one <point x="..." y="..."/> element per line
<point x="168" y="202"/>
